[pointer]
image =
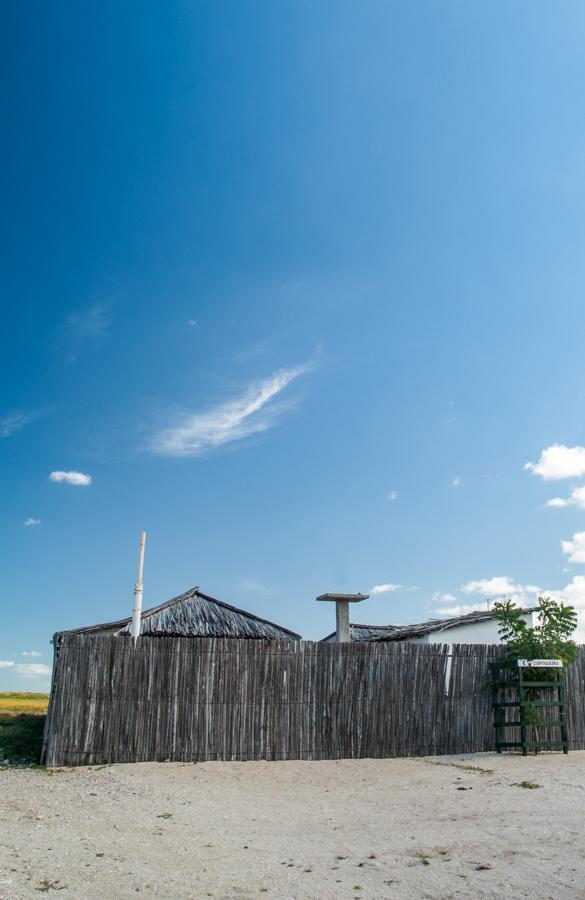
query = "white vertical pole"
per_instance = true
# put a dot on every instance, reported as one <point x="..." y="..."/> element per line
<point x="137" y="611"/>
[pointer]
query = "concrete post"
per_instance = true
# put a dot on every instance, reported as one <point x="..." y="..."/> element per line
<point x="342" y="621"/>
<point x="342" y="601"/>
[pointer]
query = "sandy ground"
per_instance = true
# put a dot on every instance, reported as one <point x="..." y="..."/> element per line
<point x="399" y="828"/>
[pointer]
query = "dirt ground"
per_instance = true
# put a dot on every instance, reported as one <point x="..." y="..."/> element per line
<point x="437" y="827"/>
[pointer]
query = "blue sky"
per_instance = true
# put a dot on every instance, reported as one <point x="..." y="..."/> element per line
<point x="299" y="288"/>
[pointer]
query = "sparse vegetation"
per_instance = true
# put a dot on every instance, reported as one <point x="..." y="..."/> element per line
<point x="47" y="885"/>
<point x="529" y="785"/>
<point x="21" y="739"/>
<point x="466" y="768"/>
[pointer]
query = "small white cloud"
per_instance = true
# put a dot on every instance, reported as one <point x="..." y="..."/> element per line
<point x="491" y="587"/>
<point x="575" y="549"/>
<point x="251" y="413"/>
<point x="31" y="521"/>
<point x="444" y="598"/>
<point x="393" y="495"/>
<point x="384" y="588"/>
<point x="577" y="499"/>
<point x="32" y="670"/>
<point x="192" y="323"/>
<point x="557" y="462"/>
<point x="76" y="478"/>
<point x="462" y="609"/>
<point x="31" y="653"/>
<point x="456" y="481"/>
<point x="501" y="586"/>
<point x="6" y="664"/>
<point x="12" y="423"/>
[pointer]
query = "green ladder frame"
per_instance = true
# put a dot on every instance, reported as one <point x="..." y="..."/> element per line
<point x="522" y="685"/>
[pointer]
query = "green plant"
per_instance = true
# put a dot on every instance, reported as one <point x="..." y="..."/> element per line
<point x="550" y="639"/>
<point x="21" y="739"/>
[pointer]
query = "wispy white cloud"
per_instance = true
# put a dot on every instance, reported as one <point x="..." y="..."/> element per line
<point x="26" y="670"/>
<point x="393" y="495"/>
<point x="192" y="323"/>
<point x="575" y="548"/>
<point x="456" y="481"/>
<point x="72" y="477"/>
<point x="31" y="653"/>
<point x="89" y="323"/>
<point x="85" y="329"/>
<point x="32" y="670"/>
<point x="384" y="588"/>
<point x="557" y="462"/>
<point x="31" y="521"/>
<point x="251" y="413"/>
<point x="13" y="422"/>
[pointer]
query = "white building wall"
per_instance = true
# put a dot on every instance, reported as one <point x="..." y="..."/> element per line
<point x="485" y="632"/>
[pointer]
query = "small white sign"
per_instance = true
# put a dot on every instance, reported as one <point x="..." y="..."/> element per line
<point x="540" y="663"/>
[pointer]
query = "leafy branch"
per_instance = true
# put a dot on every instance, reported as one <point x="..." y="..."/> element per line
<point x="549" y="639"/>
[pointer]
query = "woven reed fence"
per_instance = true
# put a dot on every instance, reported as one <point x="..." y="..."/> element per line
<point x="228" y="699"/>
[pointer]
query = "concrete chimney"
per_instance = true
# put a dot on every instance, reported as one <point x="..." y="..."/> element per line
<point x="342" y="602"/>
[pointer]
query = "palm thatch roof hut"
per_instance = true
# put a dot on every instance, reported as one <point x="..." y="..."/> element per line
<point x="195" y="614"/>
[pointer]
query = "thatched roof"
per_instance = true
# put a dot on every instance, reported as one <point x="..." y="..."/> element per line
<point x="363" y="632"/>
<point x="194" y="614"/>
<point x="410" y="632"/>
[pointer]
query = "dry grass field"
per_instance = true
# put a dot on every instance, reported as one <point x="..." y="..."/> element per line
<point x="17" y="703"/>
